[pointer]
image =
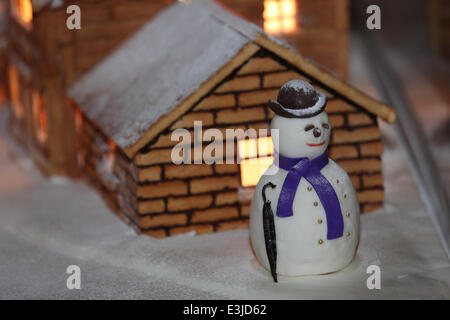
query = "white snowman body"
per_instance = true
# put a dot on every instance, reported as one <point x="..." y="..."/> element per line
<point x="301" y="239"/>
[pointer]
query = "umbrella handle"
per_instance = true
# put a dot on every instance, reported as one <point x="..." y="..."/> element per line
<point x="269" y="184"/>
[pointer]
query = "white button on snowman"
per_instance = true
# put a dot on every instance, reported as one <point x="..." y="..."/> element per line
<point x="313" y="223"/>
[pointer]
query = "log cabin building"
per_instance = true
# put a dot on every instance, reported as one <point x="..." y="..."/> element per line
<point x="199" y="62"/>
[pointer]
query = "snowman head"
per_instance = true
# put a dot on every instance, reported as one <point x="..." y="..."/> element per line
<point x="302" y="137"/>
<point x="300" y="118"/>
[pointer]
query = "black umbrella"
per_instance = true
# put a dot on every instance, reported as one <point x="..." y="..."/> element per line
<point x="269" y="232"/>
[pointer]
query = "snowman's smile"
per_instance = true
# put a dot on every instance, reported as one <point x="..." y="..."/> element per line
<point x="316" y="144"/>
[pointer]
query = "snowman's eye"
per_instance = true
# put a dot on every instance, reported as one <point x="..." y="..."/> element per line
<point x="309" y="127"/>
<point x="326" y="125"/>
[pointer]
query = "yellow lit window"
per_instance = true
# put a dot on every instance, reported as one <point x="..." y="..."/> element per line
<point x="280" y="16"/>
<point x="255" y="157"/>
<point x="14" y="92"/>
<point x="22" y="11"/>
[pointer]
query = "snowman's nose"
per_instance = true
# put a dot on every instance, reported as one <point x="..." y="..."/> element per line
<point x="317" y="132"/>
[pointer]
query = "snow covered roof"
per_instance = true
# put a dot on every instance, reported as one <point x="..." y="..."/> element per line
<point x="152" y="79"/>
<point x="159" y="67"/>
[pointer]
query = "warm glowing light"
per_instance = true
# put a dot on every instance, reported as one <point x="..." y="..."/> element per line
<point x="43" y="124"/>
<point x="26" y="11"/>
<point x="112" y="145"/>
<point x="39" y="117"/>
<point x="271" y="10"/>
<point x="111" y="156"/>
<point x="272" y="26"/>
<point x="287" y="8"/>
<point x="255" y="158"/>
<point x="288" y="25"/>
<point x="22" y="10"/>
<point x="78" y="120"/>
<point x="251" y="171"/>
<point x="265" y="146"/>
<point x="14" y="92"/>
<point x="280" y="16"/>
<point x="247" y="149"/>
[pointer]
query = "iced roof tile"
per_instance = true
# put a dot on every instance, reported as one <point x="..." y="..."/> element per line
<point x="160" y="66"/>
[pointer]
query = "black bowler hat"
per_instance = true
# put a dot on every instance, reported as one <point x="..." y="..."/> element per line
<point x="298" y="99"/>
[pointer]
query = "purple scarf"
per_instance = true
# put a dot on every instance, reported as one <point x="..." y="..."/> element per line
<point x="310" y="170"/>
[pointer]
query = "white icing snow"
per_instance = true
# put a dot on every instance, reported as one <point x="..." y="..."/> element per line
<point x="315" y="108"/>
<point x="299" y="85"/>
<point x="160" y="66"/>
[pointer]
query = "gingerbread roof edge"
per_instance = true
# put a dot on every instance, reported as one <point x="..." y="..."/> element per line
<point x="317" y="72"/>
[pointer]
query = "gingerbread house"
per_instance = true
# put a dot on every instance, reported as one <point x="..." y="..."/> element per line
<point x="199" y="62"/>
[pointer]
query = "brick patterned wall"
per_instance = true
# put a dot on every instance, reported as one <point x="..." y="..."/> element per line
<point x="162" y="199"/>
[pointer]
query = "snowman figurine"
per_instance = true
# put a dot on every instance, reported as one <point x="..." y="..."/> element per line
<point x="304" y="216"/>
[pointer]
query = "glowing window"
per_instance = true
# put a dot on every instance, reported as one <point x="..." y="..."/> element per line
<point x="22" y="11"/>
<point x="110" y="156"/>
<point x="280" y="16"/>
<point x="255" y="157"/>
<point x="14" y="92"/>
<point x="39" y="117"/>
